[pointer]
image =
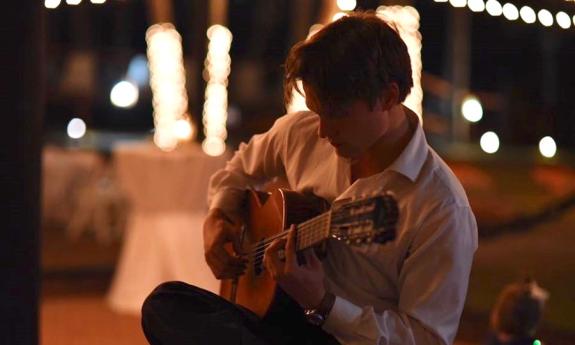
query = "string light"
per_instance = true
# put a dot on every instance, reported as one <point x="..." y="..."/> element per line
<point x="406" y="20"/>
<point x="168" y="84"/>
<point x="476" y="5"/>
<point x="76" y="128"/>
<point x="73" y="2"/>
<point x="346" y="5"/>
<point x="51" y="4"/>
<point x="471" y="109"/>
<point x="494" y="8"/>
<point x="216" y="72"/>
<point x="489" y="142"/>
<point x="458" y="3"/>
<point x="545" y="18"/>
<point x="511" y="13"/>
<point x="563" y="20"/>
<point x="547" y="147"/>
<point x="528" y="15"/>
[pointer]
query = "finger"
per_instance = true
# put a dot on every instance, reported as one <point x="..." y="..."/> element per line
<point x="311" y="258"/>
<point x="291" y="257"/>
<point x="271" y="260"/>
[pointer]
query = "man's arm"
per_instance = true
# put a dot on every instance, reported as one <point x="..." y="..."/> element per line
<point x="253" y="163"/>
<point x="432" y="282"/>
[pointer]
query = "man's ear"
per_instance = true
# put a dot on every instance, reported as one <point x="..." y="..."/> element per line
<point x="389" y="96"/>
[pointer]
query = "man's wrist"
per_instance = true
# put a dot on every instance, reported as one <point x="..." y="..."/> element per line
<point x="319" y="314"/>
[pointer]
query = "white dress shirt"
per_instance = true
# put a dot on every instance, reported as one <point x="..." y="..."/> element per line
<point x="409" y="291"/>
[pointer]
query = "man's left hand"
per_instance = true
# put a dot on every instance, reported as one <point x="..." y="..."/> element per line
<point x="304" y="283"/>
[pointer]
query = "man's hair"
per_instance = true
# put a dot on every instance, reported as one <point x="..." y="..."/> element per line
<point x="353" y="58"/>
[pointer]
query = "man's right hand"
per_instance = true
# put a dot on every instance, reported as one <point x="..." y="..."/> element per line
<point x="219" y="230"/>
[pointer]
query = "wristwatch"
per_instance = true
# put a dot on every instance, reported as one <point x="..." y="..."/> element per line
<point x="317" y="316"/>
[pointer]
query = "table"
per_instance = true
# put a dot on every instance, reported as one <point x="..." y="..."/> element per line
<point x="163" y="240"/>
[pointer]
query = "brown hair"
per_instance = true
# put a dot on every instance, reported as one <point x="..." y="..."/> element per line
<point x="516" y="312"/>
<point x="355" y="57"/>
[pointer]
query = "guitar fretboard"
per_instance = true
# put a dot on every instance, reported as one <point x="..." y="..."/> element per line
<point x="313" y="231"/>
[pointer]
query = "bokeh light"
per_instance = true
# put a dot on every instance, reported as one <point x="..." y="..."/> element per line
<point x="76" y="128"/>
<point x="458" y="3"/>
<point x="528" y="15"/>
<point x="494" y="8"/>
<point x="563" y="20"/>
<point x="471" y="109"/>
<point x="124" y="94"/>
<point x="476" y="5"/>
<point x="217" y="69"/>
<point x="73" y="2"/>
<point x="168" y="83"/>
<point x="510" y="11"/>
<point x="406" y="20"/>
<point x="52" y="3"/>
<point x="489" y="142"/>
<point x="545" y="17"/>
<point x="547" y="147"/>
<point x="346" y="5"/>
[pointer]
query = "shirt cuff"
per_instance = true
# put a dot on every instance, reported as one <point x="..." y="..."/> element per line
<point x="342" y="315"/>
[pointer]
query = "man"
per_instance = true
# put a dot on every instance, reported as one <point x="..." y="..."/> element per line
<point x="357" y="139"/>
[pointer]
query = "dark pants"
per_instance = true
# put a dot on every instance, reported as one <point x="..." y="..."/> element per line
<point x="177" y="313"/>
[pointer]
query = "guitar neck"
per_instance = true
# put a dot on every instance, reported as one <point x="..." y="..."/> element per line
<point x="313" y="231"/>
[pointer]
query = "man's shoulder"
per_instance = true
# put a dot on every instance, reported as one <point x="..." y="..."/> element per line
<point x="441" y="183"/>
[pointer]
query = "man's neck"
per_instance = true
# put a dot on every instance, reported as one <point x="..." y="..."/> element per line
<point x="386" y="150"/>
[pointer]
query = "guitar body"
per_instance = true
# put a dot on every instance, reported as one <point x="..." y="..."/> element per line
<point x="268" y="215"/>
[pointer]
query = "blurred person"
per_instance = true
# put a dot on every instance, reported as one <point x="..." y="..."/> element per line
<point x="516" y="314"/>
<point x="356" y="139"/>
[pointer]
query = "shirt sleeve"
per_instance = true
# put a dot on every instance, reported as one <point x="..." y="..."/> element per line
<point x="252" y="164"/>
<point x="432" y="287"/>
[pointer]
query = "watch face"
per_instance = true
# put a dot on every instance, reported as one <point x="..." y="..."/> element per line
<point x="314" y="318"/>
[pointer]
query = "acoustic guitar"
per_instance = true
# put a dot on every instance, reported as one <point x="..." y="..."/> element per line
<point x="269" y="215"/>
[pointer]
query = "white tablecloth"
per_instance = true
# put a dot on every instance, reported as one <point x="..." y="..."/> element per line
<point x="163" y="240"/>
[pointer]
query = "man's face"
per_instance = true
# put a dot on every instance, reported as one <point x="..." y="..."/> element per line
<point x="353" y="129"/>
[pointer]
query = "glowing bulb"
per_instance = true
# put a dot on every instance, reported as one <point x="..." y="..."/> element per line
<point x="440" y="0"/>
<point x="73" y="2"/>
<point x="494" y="8"/>
<point x="547" y="147"/>
<point x="528" y="15"/>
<point x="76" y="128"/>
<point x="346" y="5"/>
<point x="214" y="146"/>
<point x="98" y="1"/>
<point x="337" y="16"/>
<point x="489" y="142"/>
<point x="536" y="342"/>
<point x="545" y="18"/>
<point x="563" y="20"/>
<point x="458" y="3"/>
<point x="510" y="11"/>
<point x="471" y="109"/>
<point x="124" y="94"/>
<point x="183" y="129"/>
<point x="476" y="5"/>
<point x="51" y="3"/>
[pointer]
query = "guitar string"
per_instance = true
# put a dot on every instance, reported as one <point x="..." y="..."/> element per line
<point x="301" y="227"/>
<point x="307" y="232"/>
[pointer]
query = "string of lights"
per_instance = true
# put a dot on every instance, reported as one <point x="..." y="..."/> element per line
<point x="168" y="84"/>
<point x="216" y="72"/>
<point x="511" y="12"/>
<point x="52" y="4"/>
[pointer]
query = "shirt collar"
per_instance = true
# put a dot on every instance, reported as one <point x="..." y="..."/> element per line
<point x="411" y="159"/>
